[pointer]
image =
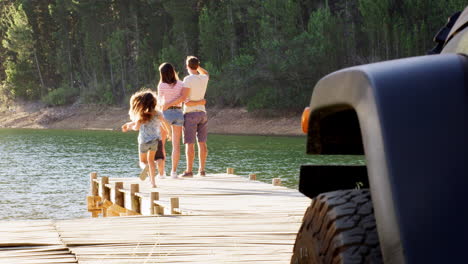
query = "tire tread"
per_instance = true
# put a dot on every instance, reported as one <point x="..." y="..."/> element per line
<point x="338" y="227"/>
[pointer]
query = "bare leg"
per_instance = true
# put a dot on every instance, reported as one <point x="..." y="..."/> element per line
<point x="176" y="135"/>
<point x="161" y="162"/>
<point x="190" y="155"/>
<point x="152" y="167"/>
<point x="143" y="160"/>
<point x="202" y="154"/>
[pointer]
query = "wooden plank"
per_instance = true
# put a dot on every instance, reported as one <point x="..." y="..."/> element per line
<point x="224" y="218"/>
<point x="115" y="210"/>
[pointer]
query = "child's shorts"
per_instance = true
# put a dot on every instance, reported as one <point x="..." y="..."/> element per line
<point x="153" y="145"/>
<point x="148" y="146"/>
<point x="174" y="116"/>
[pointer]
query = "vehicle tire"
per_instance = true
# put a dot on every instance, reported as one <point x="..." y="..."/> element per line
<point x="338" y="227"/>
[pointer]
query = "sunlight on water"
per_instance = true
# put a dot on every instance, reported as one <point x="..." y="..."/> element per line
<point x="44" y="173"/>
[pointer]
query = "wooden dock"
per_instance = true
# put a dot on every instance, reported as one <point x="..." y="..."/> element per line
<point x="220" y="218"/>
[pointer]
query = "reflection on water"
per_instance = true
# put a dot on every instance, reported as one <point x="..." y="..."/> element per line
<point x="44" y="173"/>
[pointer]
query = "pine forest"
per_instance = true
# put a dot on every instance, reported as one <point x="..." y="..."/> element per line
<point x="261" y="54"/>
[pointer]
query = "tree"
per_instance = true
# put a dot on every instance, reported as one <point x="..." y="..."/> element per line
<point x="260" y="54"/>
<point x="21" y="65"/>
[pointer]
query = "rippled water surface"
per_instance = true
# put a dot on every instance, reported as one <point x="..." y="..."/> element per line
<point x="44" y="173"/>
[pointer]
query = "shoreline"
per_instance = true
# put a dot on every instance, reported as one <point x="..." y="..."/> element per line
<point x="232" y="121"/>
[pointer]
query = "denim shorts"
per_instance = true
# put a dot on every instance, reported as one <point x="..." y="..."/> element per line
<point x="174" y="117"/>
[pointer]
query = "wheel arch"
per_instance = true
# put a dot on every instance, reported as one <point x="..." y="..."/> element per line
<point x="395" y="108"/>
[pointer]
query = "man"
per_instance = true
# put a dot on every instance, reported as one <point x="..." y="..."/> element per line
<point x="196" y="121"/>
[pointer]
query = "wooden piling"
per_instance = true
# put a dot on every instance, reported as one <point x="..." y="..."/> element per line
<point x="134" y="188"/>
<point x="276" y="181"/>
<point x="93" y="184"/>
<point x="118" y="195"/>
<point x="154" y="196"/>
<point x="94" y="205"/>
<point x="253" y="177"/>
<point x="230" y="170"/>
<point x="158" y="209"/>
<point x="104" y="191"/>
<point x="174" y="205"/>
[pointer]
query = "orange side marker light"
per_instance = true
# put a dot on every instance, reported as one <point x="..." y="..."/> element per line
<point x="305" y="120"/>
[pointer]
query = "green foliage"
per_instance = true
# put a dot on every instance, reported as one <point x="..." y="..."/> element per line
<point x="260" y="54"/>
<point x="60" y="96"/>
<point x="19" y="63"/>
<point x="234" y="83"/>
<point x="264" y="98"/>
<point x="6" y="96"/>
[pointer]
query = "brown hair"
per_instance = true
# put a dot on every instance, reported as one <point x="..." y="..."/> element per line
<point x="193" y="62"/>
<point x="167" y="74"/>
<point x="143" y="106"/>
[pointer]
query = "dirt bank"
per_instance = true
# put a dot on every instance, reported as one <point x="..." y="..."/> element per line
<point x="79" y="116"/>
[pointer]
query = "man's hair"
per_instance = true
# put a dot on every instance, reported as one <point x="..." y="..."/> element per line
<point x="193" y="62"/>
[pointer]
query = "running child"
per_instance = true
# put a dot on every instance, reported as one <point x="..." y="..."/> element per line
<point x="148" y="122"/>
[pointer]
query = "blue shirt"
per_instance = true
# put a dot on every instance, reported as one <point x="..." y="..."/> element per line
<point x="150" y="130"/>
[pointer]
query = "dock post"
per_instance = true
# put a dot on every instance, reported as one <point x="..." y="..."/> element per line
<point x="154" y="196"/>
<point x="134" y="188"/>
<point x="174" y="205"/>
<point x="118" y="195"/>
<point x="94" y="205"/>
<point x="104" y="205"/>
<point x="93" y="184"/>
<point x="230" y="170"/>
<point x="104" y="191"/>
<point x="276" y="181"/>
<point x="253" y="177"/>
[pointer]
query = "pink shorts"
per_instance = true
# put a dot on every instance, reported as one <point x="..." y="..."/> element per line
<point x="195" y="126"/>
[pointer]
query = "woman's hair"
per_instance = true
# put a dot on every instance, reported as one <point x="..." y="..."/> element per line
<point x="143" y="106"/>
<point x="167" y="74"/>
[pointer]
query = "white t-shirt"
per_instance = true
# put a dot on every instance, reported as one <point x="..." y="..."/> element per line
<point x="197" y="84"/>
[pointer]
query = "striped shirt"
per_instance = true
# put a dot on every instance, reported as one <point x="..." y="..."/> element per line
<point x="169" y="92"/>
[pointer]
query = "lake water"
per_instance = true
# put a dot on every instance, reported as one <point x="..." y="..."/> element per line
<point x="44" y="174"/>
